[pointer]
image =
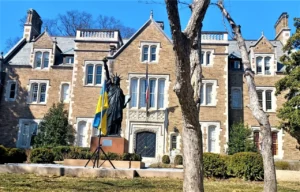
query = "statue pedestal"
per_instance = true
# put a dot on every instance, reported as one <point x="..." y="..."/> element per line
<point x="110" y="144"/>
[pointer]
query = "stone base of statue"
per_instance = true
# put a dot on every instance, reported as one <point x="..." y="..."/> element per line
<point x="110" y="144"/>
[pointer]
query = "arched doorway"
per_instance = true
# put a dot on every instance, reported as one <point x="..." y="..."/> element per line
<point x="146" y="144"/>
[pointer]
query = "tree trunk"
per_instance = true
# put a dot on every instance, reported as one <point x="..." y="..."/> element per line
<point x="187" y="88"/>
<point x="257" y="111"/>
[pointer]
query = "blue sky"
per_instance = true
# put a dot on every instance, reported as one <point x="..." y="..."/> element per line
<point x="254" y="16"/>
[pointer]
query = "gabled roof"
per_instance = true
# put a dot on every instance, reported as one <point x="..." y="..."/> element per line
<point x="137" y="34"/>
<point x="262" y="36"/>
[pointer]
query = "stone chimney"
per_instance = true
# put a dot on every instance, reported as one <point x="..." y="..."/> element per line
<point x="33" y="25"/>
<point x="161" y="24"/>
<point x="282" y="30"/>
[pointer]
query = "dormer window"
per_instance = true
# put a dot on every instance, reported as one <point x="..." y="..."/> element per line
<point x="263" y="65"/>
<point x="149" y="52"/>
<point x="41" y="60"/>
<point x="69" y="59"/>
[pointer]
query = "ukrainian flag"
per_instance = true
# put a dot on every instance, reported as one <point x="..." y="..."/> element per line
<point x="100" y="120"/>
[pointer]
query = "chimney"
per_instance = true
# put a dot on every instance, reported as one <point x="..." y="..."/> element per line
<point x="33" y="25"/>
<point x="161" y="24"/>
<point x="282" y="30"/>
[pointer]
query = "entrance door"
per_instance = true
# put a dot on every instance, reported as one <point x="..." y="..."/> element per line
<point x="146" y="144"/>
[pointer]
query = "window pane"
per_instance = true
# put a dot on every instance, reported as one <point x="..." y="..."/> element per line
<point x="145" y="53"/>
<point x="90" y="70"/>
<point x="208" y="58"/>
<point x="38" y="59"/>
<point x="274" y="143"/>
<point x="43" y="92"/>
<point x="65" y="92"/>
<point x="34" y="92"/>
<point x="209" y="94"/>
<point x="46" y="59"/>
<point x="268" y="100"/>
<point x="202" y="57"/>
<point x="236" y="64"/>
<point x="69" y="60"/>
<point x="236" y="98"/>
<point x="153" y="53"/>
<point x="260" y="97"/>
<point x="211" y="139"/>
<point x="152" y="92"/>
<point x="81" y="135"/>
<point x="174" y="142"/>
<point x="259" y="65"/>
<point x="201" y="95"/>
<point x="161" y="93"/>
<point x="142" y="93"/>
<point x="98" y="74"/>
<point x="267" y="65"/>
<point x="12" y="90"/>
<point x="133" y="88"/>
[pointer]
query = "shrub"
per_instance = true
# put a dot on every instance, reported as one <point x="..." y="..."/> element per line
<point x="60" y="152"/>
<point x="214" y="165"/>
<point x="16" y="155"/>
<point x="282" y="165"/>
<point x="41" y="155"/>
<point x="178" y="160"/>
<point x="3" y="154"/>
<point x="126" y="156"/>
<point x="160" y="165"/>
<point x="166" y="159"/>
<point x="246" y="165"/>
<point x="135" y="157"/>
<point x="239" y="139"/>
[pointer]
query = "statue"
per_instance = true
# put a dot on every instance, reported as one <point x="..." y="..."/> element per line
<point x="116" y="100"/>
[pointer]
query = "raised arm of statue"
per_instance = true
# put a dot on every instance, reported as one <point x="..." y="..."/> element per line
<point x="106" y="70"/>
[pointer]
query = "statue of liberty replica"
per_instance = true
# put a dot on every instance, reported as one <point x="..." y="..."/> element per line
<point x="117" y="103"/>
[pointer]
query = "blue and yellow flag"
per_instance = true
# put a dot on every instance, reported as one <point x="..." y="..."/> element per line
<point x="100" y="120"/>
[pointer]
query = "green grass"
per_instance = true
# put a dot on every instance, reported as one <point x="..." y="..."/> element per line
<point x="30" y="182"/>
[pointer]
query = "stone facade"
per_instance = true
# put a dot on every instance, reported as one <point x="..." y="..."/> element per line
<point x="79" y="82"/>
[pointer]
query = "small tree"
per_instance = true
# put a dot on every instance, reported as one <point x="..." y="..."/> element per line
<point x="54" y="130"/>
<point x="290" y="112"/>
<point x="239" y="139"/>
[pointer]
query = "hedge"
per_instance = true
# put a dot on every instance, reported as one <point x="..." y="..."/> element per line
<point x="166" y="159"/>
<point x="214" y="165"/>
<point x="178" y="160"/>
<point x="41" y="155"/>
<point x="12" y="155"/>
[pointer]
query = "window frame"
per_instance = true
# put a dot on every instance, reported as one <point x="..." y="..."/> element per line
<point x="61" y="93"/>
<point x="205" y="128"/>
<point x="203" y="93"/>
<point x="264" y="91"/>
<point x="263" y="64"/>
<point x="204" y="57"/>
<point x="67" y="58"/>
<point x="139" y="79"/>
<point x="39" y="91"/>
<point x="149" y="53"/>
<point x="9" y="90"/>
<point x="240" y="106"/>
<point x="94" y="64"/>
<point x="42" y="59"/>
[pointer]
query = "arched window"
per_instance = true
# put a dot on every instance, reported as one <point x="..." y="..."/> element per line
<point x="45" y="60"/>
<point x="267" y="65"/>
<point x="65" y="92"/>
<point x="153" y="53"/>
<point x="212" y="139"/>
<point x="259" y="65"/>
<point x="236" y="101"/>
<point x="145" y="53"/>
<point x="38" y="59"/>
<point x="82" y="134"/>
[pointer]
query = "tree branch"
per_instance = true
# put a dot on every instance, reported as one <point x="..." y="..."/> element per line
<point x="199" y="8"/>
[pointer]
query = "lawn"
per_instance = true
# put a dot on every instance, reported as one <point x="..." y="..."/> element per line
<point x="30" y="182"/>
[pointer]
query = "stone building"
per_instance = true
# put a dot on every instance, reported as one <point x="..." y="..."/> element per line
<point x="41" y="70"/>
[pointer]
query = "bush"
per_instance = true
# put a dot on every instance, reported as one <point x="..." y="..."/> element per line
<point x="60" y="152"/>
<point x="41" y="155"/>
<point x="282" y="165"/>
<point x="214" y="165"/>
<point x="178" y="160"/>
<point x="3" y="154"/>
<point x="246" y="165"/>
<point x="166" y="159"/>
<point x="16" y="155"/>
<point x="160" y="165"/>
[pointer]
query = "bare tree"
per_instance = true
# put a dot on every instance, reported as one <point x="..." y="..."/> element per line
<point x="72" y="20"/>
<point x="186" y="45"/>
<point x="108" y="22"/>
<point x="257" y="111"/>
<point x="10" y="42"/>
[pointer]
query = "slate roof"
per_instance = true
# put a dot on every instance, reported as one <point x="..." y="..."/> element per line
<point x="233" y="49"/>
<point x="65" y="44"/>
<point x="22" y="56"/>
